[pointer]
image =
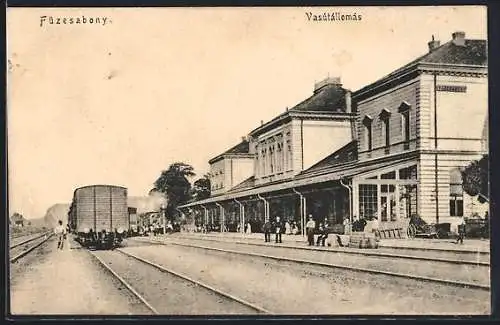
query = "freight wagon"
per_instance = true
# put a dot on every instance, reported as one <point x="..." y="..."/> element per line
<point x="98" y="215"/>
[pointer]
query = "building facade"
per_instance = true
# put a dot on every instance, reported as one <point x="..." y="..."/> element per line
<point x="393" y="149"/>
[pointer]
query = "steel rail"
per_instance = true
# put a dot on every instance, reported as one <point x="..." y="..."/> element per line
<point x="30" y="239"/>
<point x="29" y="250"/>
<point x="344" y="267"/>
<point x="125" y="283"/>
<point x="365" y="253"/>
<point x="199" y="283"/>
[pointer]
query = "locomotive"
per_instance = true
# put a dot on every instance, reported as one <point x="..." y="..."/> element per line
<point x="99" y="216"/>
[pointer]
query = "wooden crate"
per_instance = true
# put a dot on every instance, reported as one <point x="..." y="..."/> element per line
<point x="393" y="229"/>
<point x="360" y="239"/>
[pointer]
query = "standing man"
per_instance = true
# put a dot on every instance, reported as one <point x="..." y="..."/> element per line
<point x="267" y="231"/>
<point x="60" y="232"/>
<point x="278" y="228"/>
<point x="461" y="232"/>
<point x="310" y="226"/>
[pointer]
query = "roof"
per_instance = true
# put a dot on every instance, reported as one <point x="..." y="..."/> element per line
<point x="474" y="53"/>
<point x="327" y="102"/>
<point x="335" y="173"/>
<point x="242" y="148"/>
<point x="330" y="98"/>
<point x="246" y="184"/>
<point x="347" y="153"/>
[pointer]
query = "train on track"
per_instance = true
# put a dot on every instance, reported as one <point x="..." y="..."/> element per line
<point x="99" y="216"/>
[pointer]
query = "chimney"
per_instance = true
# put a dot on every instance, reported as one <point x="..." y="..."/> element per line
<point x="433" y="44"/>
<point x="348" y="102"/>
<point x="330" y="81"/>
<point x="244" y="138"/>
<point x="458" y="38"/>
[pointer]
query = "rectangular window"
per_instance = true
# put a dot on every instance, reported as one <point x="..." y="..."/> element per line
<point x="390" y="175"/>
<point x="456" y="194"/>
<point x="369" y="140"/>
<point x="264" y="162"/>
<point x="408" y="173"/>
<point x="387" y="133"/>
<point x="367" y="201"/>
<point x="456" y="207"/>
<point x="368" y="132"/>
<point x="405" y="128"/>
<point x="280" y="157"/>
<point x="289" y="155"/>
<point x="456" y="200"/>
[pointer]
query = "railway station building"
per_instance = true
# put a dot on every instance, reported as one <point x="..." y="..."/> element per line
<point x="389" y="150"/>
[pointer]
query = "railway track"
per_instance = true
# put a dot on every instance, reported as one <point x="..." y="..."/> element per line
<point x="129" y="269"/>
<point x="18" y="241"/>
<point x="457" y="257"/>
<point x="24" y="247"/>
<point x="371" y="270"/>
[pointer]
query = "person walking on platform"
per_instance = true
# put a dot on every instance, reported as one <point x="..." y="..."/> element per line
<point x="310" y="227"/>
<point x="461" y="232"/>
<point x="278" y="229"/>
<point x="60" y="232"/>
<point x="267" y="231"/>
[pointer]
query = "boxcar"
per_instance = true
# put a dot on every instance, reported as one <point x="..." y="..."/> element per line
<point x="99" y="216"/>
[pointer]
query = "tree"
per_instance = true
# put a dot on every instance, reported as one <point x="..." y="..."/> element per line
<point x="476" y="179"/>
<point x="201" y="188"/>
<point x="175" y="184"/>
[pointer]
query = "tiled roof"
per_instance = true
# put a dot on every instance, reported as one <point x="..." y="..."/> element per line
<point x="242" y="147"/>
<point x="326" y="102"/>
<point x="330" y="174"/>
<point x="474" y="52"/>
<point x="347" y="153"/>
<point x="330" y="98"/>
<point x="246" y="184"/>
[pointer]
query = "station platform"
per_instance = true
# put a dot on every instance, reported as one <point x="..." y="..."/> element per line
<point x="469" y="245"/>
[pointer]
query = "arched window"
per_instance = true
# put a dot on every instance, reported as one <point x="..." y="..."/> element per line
<point x="456" y="193"/>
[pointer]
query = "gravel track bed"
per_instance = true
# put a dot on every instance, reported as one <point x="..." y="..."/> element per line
<point x="465" y="273"/>
<point x="30" y="261"/>
<point x="167" y="293"/>
<point x="19" y="249"/>
<point x="460" y="256"/>
<point x="68" y="282"/>
<point x="17" y="240"/>
<point x="291" y="288"/>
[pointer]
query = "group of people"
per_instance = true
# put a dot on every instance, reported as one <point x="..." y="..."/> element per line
<point x="277" y="227"/>
<point x="287" y="227"/>
<point x="323" y="230"/>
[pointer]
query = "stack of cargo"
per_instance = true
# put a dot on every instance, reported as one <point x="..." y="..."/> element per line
<point x="360" y="239"/>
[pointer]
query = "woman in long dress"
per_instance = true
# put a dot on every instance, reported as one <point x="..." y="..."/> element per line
<point x="288" y="228"/>
<point x="249" y="228"/>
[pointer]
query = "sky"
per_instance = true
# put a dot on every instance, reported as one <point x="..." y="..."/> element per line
<point x="118" y="103"/>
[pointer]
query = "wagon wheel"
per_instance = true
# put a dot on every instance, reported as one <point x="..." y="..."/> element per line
<point x="412" y="231"/>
